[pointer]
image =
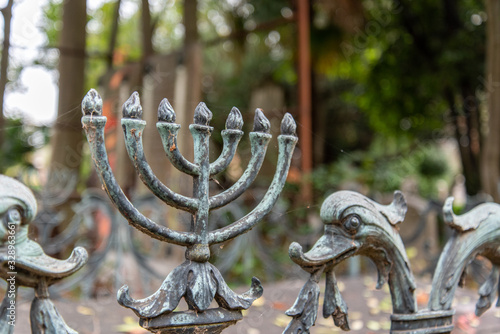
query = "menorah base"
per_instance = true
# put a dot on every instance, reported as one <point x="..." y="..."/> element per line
<point x="423" y="322"/>
<point x="190" y="322"/>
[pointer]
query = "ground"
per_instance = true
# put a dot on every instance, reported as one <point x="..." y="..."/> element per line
<point x="369" y="311"/>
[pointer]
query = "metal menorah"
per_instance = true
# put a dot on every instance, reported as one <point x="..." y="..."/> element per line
<point x="195" y="280"/>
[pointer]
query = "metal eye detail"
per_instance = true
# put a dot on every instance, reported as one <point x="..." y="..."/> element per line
<point x="13" y="217"/>
<point x="352" y="223"/>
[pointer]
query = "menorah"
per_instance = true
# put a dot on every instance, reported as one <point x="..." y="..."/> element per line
<point x="196" y="280"/>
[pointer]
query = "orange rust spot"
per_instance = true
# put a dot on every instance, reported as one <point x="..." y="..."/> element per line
<point x="172" y="147"/>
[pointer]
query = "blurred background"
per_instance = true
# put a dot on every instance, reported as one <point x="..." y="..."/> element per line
<point x="387" y="95"/>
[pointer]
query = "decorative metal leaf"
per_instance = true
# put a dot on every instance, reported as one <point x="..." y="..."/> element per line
<point x="228" y="299"/>
<point x="45" y="318"/>
<point x="305" y="308"/>
<point x="334" y="304"/>
<point x="164" y="300"/>
<point x="487" y="292"/>
<point x="201" y="286"/>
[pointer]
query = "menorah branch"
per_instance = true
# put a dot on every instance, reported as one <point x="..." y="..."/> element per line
<point x="94" y="129"/>
<point x="230" y="139"/>
<point x="259" y="142"/>
<point x="286" y="146"/>
<point x="168" y="133"/>
<point x="133" y="130"/>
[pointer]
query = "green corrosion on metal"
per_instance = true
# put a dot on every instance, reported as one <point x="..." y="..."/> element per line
<point x="196" y="280"/>
<point x="24" y="263"/>
<point x="356" y="225"/>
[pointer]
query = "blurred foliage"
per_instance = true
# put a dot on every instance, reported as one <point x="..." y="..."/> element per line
<point x="384" y="168"/>
<point x="382" y="70"/>
<point x="383" y="75"/>
<point x="408" y="56"/>
<point x="22" y="140"/>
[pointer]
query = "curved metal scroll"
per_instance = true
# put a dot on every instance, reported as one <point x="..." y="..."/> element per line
<point x="356" y="225"/>
<point x="23" y="262"/>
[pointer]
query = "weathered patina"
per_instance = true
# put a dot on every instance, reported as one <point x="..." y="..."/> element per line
<point x="356" y="225"/>
<point x="196" y="280"/>
<point x="24" y="263"/>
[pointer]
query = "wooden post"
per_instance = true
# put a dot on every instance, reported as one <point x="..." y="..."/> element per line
<point x="304" y="86"/>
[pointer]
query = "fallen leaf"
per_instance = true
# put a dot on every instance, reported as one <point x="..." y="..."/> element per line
<point x="85" y="310"/>
<point x="282" y="320"/>
<point x="373" y="325"/>
<point x="355" y="315"/>
<point x="131" y="326"/>
<point x="357" y="325"/>
<point x="259" y="302"/>
<point x="279" y="306"/>
<point x="422" y="298"/>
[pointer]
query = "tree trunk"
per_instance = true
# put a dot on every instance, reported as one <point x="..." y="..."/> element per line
<point x="114" y="34"/>
<point x="188" y="90"/>
<point x="4" y="65"/>
<point x="305" y="103"/>
<point x="67" y="141"/>
<point x="147" y="31"/>
<point x="491" y="147"/>
<point x="193" y="57"/>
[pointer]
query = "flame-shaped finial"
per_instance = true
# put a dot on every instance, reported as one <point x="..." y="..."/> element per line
<point x="260" y="122"/>
<point x="234" y="120"/>
<point x="132" y="107"/>
<point x="165" y="112"/>
<point x="202" y="115"/>
<point x="288" y="126"/>
<point x="92" y="103"/>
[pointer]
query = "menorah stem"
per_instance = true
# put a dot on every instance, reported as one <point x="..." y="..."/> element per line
<point x="201" y="137"/>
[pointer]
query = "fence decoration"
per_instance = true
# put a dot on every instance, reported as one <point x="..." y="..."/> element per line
<point x="356" y="225"/>
<point x="24" y="263"/>
<point x="195" y="280"/>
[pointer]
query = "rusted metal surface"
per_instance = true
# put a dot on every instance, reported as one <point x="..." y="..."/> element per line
<point x="196" y="280"/>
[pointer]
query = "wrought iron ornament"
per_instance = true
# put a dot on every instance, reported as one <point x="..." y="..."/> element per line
<point x="24" y="263"/>
<point x="356" y="225"/>
<point x="196" y="280"/>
